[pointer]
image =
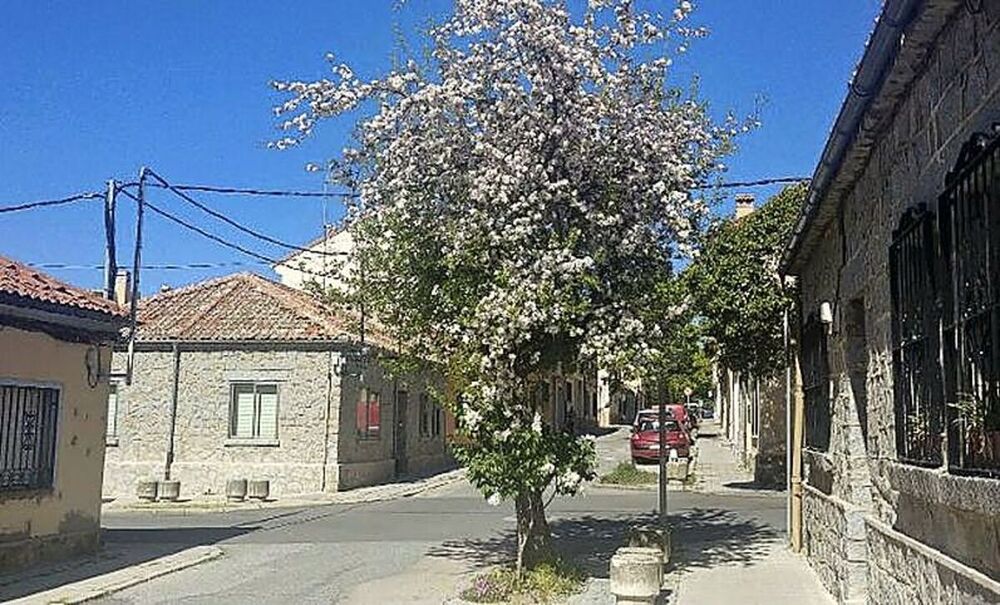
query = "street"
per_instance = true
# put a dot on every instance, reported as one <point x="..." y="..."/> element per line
<point x="424" y="549"/>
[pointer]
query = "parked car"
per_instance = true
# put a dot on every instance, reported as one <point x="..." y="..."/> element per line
<point x="707" y="412"/>
<point x="694" y="413"/>
<point x="645" y="441"/>
<point x="675" y="411"/>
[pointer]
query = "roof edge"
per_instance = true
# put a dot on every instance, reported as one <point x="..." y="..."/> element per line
<point x="888" y="40"/>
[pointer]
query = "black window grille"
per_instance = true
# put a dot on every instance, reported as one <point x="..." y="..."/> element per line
<point x="917" y="388"/>
<point x="816" y="384"/>
<point x="28" y="417"/>
<point x="970" y="245"/>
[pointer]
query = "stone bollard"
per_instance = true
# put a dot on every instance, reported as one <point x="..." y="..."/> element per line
<point x="636" y="575"/>
<point x="651" y="536"/>
<point x="170" y="490"/>
<point x="677" y="470"/>
<point x="259" y="489"/>
<point x="236" y="490"/>
<point x="146" y="490"/>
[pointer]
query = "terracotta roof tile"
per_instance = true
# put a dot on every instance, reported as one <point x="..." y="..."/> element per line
<point x="243" y="307"/>
<point x="29" y="287"/>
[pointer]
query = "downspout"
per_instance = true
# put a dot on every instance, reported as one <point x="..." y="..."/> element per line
<point x="798" y="421"/>
<point x="174" y="389"/>
<point x="788" y="421"/>
<point x="331" y="371"/>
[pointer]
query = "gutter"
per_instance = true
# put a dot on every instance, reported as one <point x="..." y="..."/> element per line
<point x="879" y="56"/>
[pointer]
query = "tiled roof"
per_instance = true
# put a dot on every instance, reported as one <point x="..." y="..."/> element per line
<point x="243" y="307"/>
<point x="22" y="285"/>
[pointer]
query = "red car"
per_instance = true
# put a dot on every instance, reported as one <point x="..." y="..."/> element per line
<point x="645" y="441"/>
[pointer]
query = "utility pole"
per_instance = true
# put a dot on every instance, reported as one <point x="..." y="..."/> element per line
<point x="110" y="259"/>
<point x="663" y="462"/>
<point x="136" y="261"/>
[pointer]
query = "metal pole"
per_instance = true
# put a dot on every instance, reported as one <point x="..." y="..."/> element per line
<point x="110" y="262"/>
<point x="663" y="463"/>
<point x="137" y="259"/>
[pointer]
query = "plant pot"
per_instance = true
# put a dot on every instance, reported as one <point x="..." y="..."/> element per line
<point x="259" y="490"/>
<point x="236" y="490"/>
<point x="170" y="490"/>
<point x="146" y="490"/>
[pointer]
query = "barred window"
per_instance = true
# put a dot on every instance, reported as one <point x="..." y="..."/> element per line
<point x="970" y="246"/>
<point x="28" y="417"/>
<point x="816" y="384"/>
<point x="917" y="388"/>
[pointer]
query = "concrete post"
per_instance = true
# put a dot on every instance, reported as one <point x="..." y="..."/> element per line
<point x="636" y="575"/>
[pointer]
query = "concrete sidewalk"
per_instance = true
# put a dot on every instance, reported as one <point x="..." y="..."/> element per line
<point x="215" y="504"/>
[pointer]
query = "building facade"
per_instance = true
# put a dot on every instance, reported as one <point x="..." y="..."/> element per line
<point x="243" y="378"/>
<point x="897" y="369"/>
<point x="55" y="356"/>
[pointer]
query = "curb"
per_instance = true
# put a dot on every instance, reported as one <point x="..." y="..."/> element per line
<point x="346" y="497"/>
<point x="100" y="586"/>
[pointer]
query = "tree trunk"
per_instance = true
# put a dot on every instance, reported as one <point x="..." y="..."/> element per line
<point x="534" y="542"/>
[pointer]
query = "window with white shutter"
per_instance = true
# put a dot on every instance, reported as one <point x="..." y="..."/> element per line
<point x="253" y="411"/>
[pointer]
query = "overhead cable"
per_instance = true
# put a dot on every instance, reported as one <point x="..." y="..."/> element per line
<point x="48" y="203"/>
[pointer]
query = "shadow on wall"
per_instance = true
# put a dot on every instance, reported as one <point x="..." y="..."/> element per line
<point x="702" y="538"/>
<point x="120" y="548"/>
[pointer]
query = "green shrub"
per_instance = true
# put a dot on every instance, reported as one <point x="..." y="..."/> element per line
<point x="544" y="584"/>
<point x="626" y="473"/>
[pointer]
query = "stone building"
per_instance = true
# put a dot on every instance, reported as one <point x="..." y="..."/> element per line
<point x="55" y="357"/>
<point x="751" y="416"/>
<point x="898" y="370"/>
<point x="240" y="377"/>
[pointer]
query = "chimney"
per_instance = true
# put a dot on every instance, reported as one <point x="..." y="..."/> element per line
<point x="744" y="205"/>
<point x="123" y="287"/>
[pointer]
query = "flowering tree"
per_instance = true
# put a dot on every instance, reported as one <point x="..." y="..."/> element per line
<point x="522" y="191"/>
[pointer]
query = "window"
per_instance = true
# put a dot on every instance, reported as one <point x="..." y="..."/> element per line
<point x="28" y="417"/>
<point x="917" y="393"/>
<point x="970" y="254"/>
<point x="438" y="424"/>
<point x="253" y="411"/>
<point x="431" y="417"/>
<point x="816" y="385"/>
<point x="111" y="432"/>
<point x="368" y="420"/>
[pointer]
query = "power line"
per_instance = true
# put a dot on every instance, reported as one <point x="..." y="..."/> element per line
<point x="49" y="203"/>
<point x="229" y="221"/>
<point x="760" y="183"/>
<point x="223" y="190"/>
<point x="192" y="227"/>
<point x="160" y="267"/>
<point x="215" y="238"/>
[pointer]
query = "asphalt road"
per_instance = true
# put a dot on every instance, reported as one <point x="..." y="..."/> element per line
<point x="418" y="549"/>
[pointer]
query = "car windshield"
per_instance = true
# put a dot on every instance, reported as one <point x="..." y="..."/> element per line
<point x="649" y="424"/>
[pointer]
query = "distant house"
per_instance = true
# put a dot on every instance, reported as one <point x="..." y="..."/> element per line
<point x="55" y="358"/>
<point x="896" y="377"/>
<point x="324" y="262"/>
<point x="247" y="378"/>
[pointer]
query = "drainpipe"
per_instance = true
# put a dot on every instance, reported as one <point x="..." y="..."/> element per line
<point x="788" y="421"/>
<point x="333" y="369"/>
<point x="798" y="421"/>
<point x="175" y="386"/>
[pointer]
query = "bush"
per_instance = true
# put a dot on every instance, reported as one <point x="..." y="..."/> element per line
<point x="626" y="473"/>
<point x="543" y="584"/>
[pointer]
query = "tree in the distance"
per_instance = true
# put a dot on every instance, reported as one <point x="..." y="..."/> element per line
<point x="734" y="284"/>
<point x="521" y="193"/>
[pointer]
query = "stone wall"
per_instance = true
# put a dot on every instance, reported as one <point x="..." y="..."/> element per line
<point x="204" y="455"/>
<point x="954" y="93"/>
<point x="64" y="519"/>
<point x="765" y="452"/>
<point x="834" y="543"/>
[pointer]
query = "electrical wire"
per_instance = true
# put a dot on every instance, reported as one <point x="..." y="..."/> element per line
<point x="760" y="183"/>
<point x="229" y="221"/>
<point x="215" y="238"/>
<point x="49" y="203"/>
<point x="163" y="267"/>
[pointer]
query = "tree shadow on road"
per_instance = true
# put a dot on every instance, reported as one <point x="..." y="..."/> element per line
<point x="701" y="538"/>
<point x="120" y="548"/>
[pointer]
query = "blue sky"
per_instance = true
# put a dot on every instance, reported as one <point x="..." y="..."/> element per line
<point x="94" y="90"/>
